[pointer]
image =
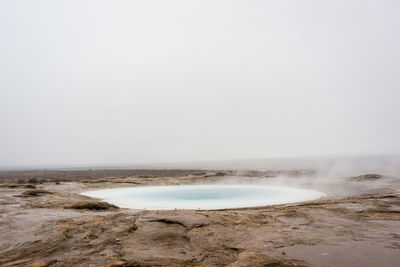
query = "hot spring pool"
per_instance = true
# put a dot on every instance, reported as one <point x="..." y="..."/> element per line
<point x="202" y="196"/>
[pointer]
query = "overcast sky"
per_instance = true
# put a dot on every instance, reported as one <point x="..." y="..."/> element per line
<point x="87" y="82"/>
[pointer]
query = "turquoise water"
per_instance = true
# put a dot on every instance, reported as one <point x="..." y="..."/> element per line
<point x="202" y="196"/>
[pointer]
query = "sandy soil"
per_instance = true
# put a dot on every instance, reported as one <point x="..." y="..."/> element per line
<point x="45" y="222"/>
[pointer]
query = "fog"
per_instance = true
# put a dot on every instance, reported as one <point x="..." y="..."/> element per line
<point x="142" y="82"/>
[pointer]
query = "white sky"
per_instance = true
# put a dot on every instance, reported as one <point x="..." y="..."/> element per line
<point x="85" y="82"/>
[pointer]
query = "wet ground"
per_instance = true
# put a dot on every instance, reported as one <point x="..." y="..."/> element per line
<point x="46" y="222"/>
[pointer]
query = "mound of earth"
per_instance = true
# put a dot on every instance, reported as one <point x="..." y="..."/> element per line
<point x="35" y="193"/>
<point x="92" y="205"/>
<point x="366" y="177"/>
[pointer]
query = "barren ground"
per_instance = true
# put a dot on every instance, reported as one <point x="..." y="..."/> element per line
<point x="45" y="222"/>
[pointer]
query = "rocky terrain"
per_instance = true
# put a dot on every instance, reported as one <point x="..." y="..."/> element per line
<point x="44" y="221"/>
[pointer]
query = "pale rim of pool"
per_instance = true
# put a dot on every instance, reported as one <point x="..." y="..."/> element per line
<point x="203" y="197"/>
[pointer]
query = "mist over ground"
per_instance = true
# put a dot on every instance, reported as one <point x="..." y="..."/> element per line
<point x="113" y="83"/>
<point x="343" y="167"/>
